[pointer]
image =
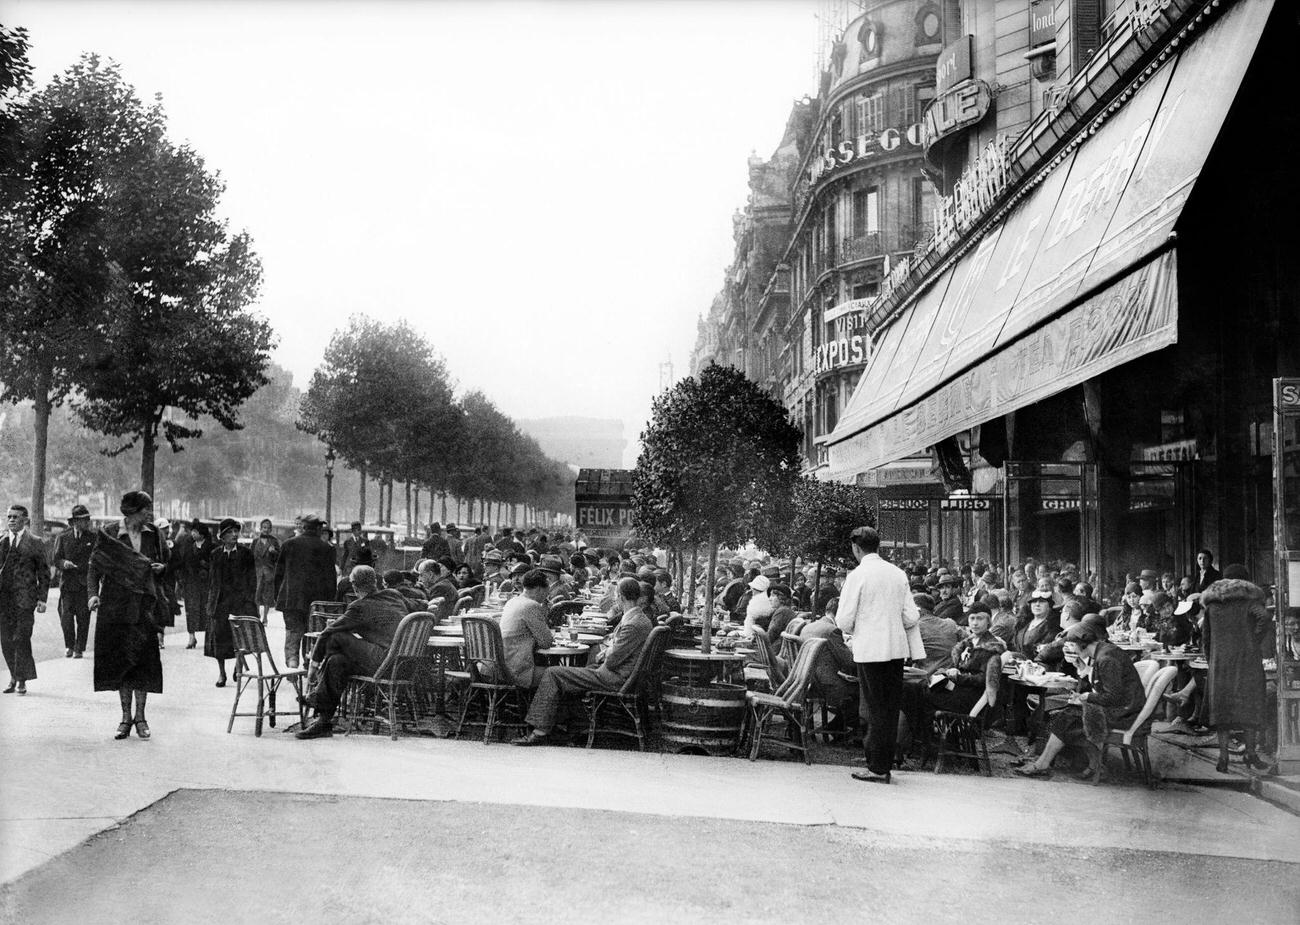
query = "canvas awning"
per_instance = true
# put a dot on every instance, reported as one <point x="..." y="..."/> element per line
<point x="1079" y="278"/>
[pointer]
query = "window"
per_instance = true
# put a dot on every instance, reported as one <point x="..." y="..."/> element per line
<point x="866" y="211"/>
<point x="869" y="39"/>
<point x="903" y="106"/>
<point x="922" y="202"/>
<point x="871" y="113"/>
<point x="928" y="25"/>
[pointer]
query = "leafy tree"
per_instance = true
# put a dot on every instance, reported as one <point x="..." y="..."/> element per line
<point x="718" y="456"/>
<point x="59" y="282"/>
<point x="824" y="514"/>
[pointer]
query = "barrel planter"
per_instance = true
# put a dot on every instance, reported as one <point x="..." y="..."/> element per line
<point x="705" y="719"/>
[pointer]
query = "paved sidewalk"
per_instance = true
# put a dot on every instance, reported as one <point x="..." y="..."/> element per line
<point x="64" y="779"/>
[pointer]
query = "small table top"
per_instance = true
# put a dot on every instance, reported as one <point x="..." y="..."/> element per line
<point x="697" y="655"/>
<point x="1044" y="683"/>
<point x="446" y="642"/>
<point x="1174" y="656"/>
<point x="579" y="649"/>
<point x="449" y="630"/>
<point x="588" y="638"/>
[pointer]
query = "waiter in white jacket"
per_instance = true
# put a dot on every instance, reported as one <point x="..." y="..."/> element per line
<point x="877" y="611"/>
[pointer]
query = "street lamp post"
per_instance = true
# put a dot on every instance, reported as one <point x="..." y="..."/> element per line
<point x="329" y="486"/>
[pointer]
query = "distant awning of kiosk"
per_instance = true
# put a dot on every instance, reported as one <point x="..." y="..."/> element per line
<point x="1078" y="279"/>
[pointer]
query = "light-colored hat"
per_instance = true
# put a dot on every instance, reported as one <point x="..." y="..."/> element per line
<point x="761" y="583"/>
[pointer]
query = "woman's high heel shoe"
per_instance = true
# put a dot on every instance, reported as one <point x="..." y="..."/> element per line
<point x="1222" y="766"/>
<point x="123" y="729"/>
<point x="142" y="729"/>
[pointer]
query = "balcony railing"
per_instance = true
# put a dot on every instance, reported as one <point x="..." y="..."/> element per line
<point x="861" y="247"/>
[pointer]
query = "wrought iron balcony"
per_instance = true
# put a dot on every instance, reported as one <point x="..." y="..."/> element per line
<point x="861" y="247"/>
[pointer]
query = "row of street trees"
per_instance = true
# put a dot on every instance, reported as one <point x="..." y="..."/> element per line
<point x="382" y="400"/>
<point x="719" y="466"/>
<point x="122" y="292"/>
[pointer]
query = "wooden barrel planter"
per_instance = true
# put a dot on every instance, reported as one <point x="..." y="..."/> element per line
<point x="703" y="720"/>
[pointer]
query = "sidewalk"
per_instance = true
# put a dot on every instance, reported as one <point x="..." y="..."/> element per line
<point x="64" y="779"/>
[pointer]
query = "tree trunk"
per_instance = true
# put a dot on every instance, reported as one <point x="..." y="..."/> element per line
<point x="148" y="449"/>
<point x="706" y="642"/>
<point x="419" y="530"/>
<point x="817" y="584"/>
<point x="388" y="516"/>
<point x="409" y="522"/>
<point x="362" y="500"/>
<point x="695" y="577"/>
<point x="40" y="446"/>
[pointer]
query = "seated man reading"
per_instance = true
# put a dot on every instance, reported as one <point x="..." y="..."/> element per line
<point x="524" y="629"/>
<point x="612" y="667"/>
<point x="338" y="654"/>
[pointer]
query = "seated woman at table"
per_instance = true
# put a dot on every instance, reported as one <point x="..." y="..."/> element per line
<point x="524" y="630"/>
<point x="976" y="668"/>
<point x="1040" y="629"/>
<point x="1172" y="628"/>
<point x="1123" y="616"/>
<point x="1110" y="696"/>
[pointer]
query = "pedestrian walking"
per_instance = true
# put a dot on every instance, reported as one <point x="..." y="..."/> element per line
<point x="232" y="591"/>
<point x="1236" y="628"/>
<point x="304" y="572"/>
<point x="266" y="551"/>
<point x="24" y="586"/>
<point x="194" y="558"/>
<point x="122" y="578"/>
<point x="877" y="611"/>
<point x="71" y="555"/>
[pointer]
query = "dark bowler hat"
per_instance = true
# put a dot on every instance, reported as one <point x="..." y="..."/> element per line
<point x="79" y="510"/>
<point x="949" y="580"/>
<point x="551" y="564"/>
<point x="229" y="524"/>
<point x="1149" y="574"/>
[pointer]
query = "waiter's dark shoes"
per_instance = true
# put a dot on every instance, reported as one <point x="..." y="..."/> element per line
<point x="22" y="688"/>
<point x="68" y="654"/>
<point x="10" y="688"/>
<point x="871" y="777"/>
<point x="78" y="653"/>
<point x="533" y="738"/>
<point x="321" y="729"/>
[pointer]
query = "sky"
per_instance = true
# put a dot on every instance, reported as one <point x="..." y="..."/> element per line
<point x="545" y="190"/>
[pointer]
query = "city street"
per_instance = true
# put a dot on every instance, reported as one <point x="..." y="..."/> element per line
<point x="544" y="834"/>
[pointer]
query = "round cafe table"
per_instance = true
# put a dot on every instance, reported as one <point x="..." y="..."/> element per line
<point x="566" y="655"/>
<point x="1044" y="688"/>
<point x="443" y="649"/>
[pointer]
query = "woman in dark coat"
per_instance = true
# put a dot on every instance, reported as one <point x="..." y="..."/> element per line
<point x="232" y="591"/>
<point x="193" y="565"/>
<point x="122" y="581"/>
<point x="1110" y="697"/>
<point x="1236" y="624"/>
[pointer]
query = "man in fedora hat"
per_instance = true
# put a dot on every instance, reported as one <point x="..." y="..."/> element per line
<point x="24" y="586"/>
<point x="304" y="573"/>
<point x="561" y="587"/>
<point x="71" y="557"/>
<point x="949" y="603"/>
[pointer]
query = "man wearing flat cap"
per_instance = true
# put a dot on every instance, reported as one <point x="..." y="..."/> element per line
<point x="71" y="556"/>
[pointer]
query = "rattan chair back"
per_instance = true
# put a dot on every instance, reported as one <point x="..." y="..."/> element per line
<point x="485" y="647"/>
<point x="648" y="660"/>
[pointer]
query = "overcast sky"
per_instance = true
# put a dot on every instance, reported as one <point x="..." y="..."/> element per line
<point x="544" y="189"/>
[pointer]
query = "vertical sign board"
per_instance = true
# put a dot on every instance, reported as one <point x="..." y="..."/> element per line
<point x="1042" y="22"/>
<point x="1286" y="541"/>
<point x="953" y="65"/>
<point x="603" y="506"/>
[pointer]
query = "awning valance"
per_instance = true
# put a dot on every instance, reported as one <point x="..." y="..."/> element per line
<point x="1028" y="301"/>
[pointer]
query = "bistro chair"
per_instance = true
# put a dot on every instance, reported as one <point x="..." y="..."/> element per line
<point x="791" y="701"/>
<point x="632" y="700"/>
<point x="398" y="679"/>
<point x="1133" y="740"/>
<point x="489" y="678"/>
<point x="961" y="735"/>
<point x="788" y="653"/>
<point x="764" y="670"/>
<point x="251" y="644"/>
<point x="562" y="611"/>
<point x="318" y="618"/>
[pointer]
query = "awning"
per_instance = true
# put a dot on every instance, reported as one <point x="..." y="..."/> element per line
<point x="1071" y="284"/>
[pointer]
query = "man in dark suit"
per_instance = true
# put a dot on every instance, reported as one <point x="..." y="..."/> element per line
<point x="339" y="654"/>
<point x="1206" y="573"/>
<point x="351" y="546"/>
<point x="612" y="668"/>
<point x="24" y="586"/>
<point x="71" y="557"/>
<point x="304" y="572"/>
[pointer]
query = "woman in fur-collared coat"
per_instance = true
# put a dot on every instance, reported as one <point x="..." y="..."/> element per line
<point x="1235" y="629"/>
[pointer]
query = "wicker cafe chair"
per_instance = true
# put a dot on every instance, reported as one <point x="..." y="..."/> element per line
<point x="250" y="643"/>
<point x="564" y="609"/>
<point x="961" y="735"/>
<point x="1133" y="740"/>
<point x="788" y="653"/>
<point x="397" y="680"/>
<point x="490" y="679"/>
<point x="632" y="700"/>
<point x="791" y="701"/>
<point x="765" y="670"/>
<point x="317" y="618"/>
